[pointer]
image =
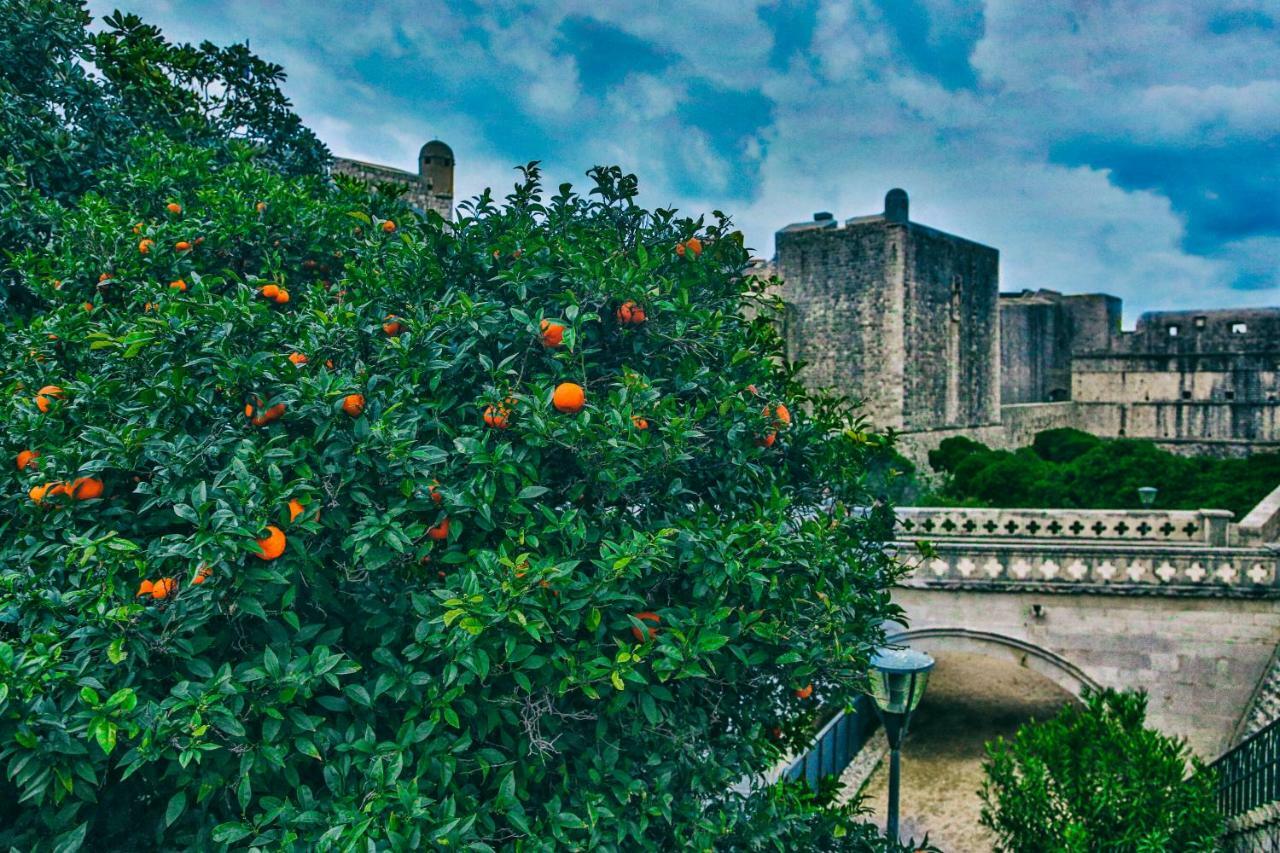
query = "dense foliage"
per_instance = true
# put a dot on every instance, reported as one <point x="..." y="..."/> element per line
<point x="73" y="102"/>
<point x="1095" y="778"/>
<point x="354" y="566"/>
<point x="1067" y="468"/>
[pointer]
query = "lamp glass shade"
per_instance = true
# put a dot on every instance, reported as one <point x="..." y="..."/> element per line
<point x="1147" y="494"/>
<point x="898" y="679"/>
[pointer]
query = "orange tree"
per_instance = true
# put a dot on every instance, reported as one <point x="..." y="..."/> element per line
<point x="326" y="526"/>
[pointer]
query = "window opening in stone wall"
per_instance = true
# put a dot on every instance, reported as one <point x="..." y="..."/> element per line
<point x="1186" y="395"/>
<point x="1239" y="328"/>
<point x="1201" y="321"/>
<point x="1173" y="331"/>
<point x="1231" y="395"/>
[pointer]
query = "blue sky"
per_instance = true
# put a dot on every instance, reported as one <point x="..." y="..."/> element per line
<point x="1124" y="147"/>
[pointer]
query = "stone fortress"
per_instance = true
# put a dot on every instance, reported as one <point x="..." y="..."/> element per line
<point x="910" y="320"/>
<point x="430" y="189"/>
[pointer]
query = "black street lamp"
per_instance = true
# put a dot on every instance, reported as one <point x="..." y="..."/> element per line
<point x="898" y="679"/>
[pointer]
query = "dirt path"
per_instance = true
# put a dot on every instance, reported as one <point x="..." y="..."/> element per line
<point x="970" y="700"/>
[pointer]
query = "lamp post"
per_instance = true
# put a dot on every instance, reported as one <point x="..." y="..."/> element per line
<point x="1147" y="494"/>
<point x="898" y="679"/>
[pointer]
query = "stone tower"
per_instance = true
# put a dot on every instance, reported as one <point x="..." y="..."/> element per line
<point x="896" y="314"/>
<point x="430" y="189"/>
<point x="435" y="169"/>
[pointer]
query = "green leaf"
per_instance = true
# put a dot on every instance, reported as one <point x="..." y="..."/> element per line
<point x="177" y="804"/>
<point x="115" y="651"/>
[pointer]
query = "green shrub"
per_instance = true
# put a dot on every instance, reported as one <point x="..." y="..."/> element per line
<point x="1066" y="468"/>
<point x="1095" y="778"/>
<point x="950" y="452"/>
<point x="1063" y="445"/>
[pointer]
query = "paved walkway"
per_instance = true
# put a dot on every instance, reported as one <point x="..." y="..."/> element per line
<point x="970" y="700"/>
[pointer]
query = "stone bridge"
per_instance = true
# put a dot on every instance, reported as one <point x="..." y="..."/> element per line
<point x="1180" y="603"/>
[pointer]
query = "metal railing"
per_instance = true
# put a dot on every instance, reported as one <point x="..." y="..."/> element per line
<point x="836" y="744"/>
<point x="1249" y="779"/>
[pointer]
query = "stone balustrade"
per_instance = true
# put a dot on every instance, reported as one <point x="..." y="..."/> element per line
<point x="1187" y="570"/>
<point x="1205" y="527"/>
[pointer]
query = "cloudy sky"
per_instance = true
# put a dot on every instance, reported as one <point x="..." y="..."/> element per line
<point x="1125" y="147"/>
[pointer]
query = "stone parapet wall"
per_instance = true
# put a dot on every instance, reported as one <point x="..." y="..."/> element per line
<point x="1110" y="569"/>
<point x="1175" y="527"/>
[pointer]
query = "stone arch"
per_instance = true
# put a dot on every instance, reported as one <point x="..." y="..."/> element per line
<point x="1054" y="667"/>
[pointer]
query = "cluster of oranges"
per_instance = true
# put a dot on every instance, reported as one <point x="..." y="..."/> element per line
<point x="692" y="246"/>
<point x="275" y="293"/>
<point x="80" y="489"/>
<point x="630" y="314"/>
<point x="158" y="589"/>
<point x="259" y="416"/>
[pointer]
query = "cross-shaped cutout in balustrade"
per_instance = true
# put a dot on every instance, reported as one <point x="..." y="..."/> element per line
<point x="1098" y="528"/>
<point x="1144" y="529"/>
<point x="1032" y="527"/>
<point x="1166" y="529"/>
<point x="990" y="526"/>
<point x="1190" y="529"/>
<point x="908" y="524"/>
<point x="948" y="525"/>
<point x="1054" y="527"/>
<point x="1076" y="528"/>
<point x="1121" y="528"/>
<point x="928" y="525"/>
<point x="1011" y="526"/>
<point x="969" y="525"/>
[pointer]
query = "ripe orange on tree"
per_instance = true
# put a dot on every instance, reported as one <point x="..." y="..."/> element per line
<point x="439" y="531"/>
<point x="46" y="395"/>
<point x="173" y="207"/>
<point x="353" y="404"/>
<point x="164" y="588"/>
<point x="86" y="488"/>
<point x="178" y="284"/>
<point x="805" y="692"/>
<point x="272" y="545"/>
<point x="144" y="246"/>
<point x="295" y="509"/>
<point x="497" y="417"/>
<point x="27" y="457"/>
<point x="46" y="490"/>
<point x="569" y="397"/>
<point x="282" y="296"/>
<point x="630" y="314"/>
<point x="639" y="422"/>
<point x="202" y="574"/>
<point x="182" y="246"/>
<point x="297" y="358"/>
<point x="645" y="616"/>
<point x="552" y="334"/>
<point x="270" y="291"/>
<point x="388" y="226"/>
<point x="392" y="326"/>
